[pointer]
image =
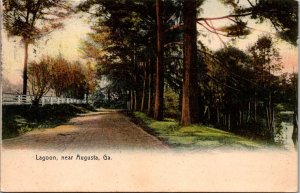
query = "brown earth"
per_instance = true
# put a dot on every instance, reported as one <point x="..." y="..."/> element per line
<point x="97" y="130"/>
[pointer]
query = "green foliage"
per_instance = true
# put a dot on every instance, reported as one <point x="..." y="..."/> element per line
<point x="171" y="101"/>
<point x="24" y="129"/>
<point x="238" y="29"/>
<point x="18" y="119"/>
<point x="283" y="15"/>
<point x="195" y="136"/>
<point x="109" y="97"/>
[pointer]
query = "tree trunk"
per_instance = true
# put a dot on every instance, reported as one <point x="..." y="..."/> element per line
<point x="180" y="100"/>
<point x="242" y="117"/>
<point x="295" y="124"/>
<point x="218" y="116"/>
<point x="36" y="102"/>
<point x="190" y="104"/>
<point x="25" y="77"/>
<point x="159" y="83"/>
<point x="131" y="101"/>
<point x="144" y="88"/>
<point x="108" y="96"/>
<point x="208" y="114"/>
<point x="269" y="120"/>
<point x="150" y="92"/>
<point x="255" y="109"/>
<point x="229" y="125"/>
<point x="249" y="111"/>
<point x="295" y="116"/>
<point x="270" y="116"/>
<point x="135" y="100"/>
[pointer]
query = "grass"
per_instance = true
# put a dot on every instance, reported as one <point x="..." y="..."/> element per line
<point x="19" y="119"/>
<point x="194" y="136"/>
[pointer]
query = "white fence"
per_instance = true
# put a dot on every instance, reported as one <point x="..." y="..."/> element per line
<point x="16" y="99"/>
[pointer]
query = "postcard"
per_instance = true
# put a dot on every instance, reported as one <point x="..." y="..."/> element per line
<point x="149" y="96"/>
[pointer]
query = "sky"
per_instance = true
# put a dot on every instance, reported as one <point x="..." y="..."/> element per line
<point x="67" y="41"/>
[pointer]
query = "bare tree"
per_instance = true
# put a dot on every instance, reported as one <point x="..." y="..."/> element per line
<point x="39" y="75"/>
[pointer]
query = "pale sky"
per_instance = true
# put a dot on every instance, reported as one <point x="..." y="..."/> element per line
<point x="67" y="42"/>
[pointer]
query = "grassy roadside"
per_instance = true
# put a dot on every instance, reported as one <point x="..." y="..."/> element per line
<point x="194" y="136"/>
<point x="19" y="119"/>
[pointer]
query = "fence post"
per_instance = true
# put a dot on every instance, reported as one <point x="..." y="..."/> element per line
<point x="19" y="99"/>
<point x="43" y="101"/>
<point x="85" y="98"/>
<point x="29" y="99"/>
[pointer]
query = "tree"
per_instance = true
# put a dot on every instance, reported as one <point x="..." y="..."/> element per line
<point x="190" y="104"/>
<point x="90" y="77"/>
<point x="125" y="35"/>
<point x="122" y="46"/>
<point x="293" y="95"/>
<point x="267" y="62"/>
<point x="61" y="76"/>
<point x="77" y="86"/>
<point x="31" y="20"/>
<point x="39" y="75"/>
<point x="283" y="15"/>
<point x="232" y="79"/>
<point x="159" y="80"/>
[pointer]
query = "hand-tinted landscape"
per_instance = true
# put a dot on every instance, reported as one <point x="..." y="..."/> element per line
<point x="191" y="75"/>
<point x="149" y="95"/>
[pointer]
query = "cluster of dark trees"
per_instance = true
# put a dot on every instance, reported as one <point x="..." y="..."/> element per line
<point x="147" y="47"/>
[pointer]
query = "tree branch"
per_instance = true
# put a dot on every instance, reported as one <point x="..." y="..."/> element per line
<point x="250" y="3"/>
<point x="215" y="32"/>
<point x="174" y="27"/>
<point x="225" y="17"/>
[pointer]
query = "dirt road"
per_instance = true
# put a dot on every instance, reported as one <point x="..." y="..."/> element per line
<point x="97" y="130"/>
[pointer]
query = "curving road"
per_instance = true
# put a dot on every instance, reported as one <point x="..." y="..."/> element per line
<point x="97" y="130"/>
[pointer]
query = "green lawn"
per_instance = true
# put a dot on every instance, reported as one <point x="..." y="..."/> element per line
<point x="194" y="136"/>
